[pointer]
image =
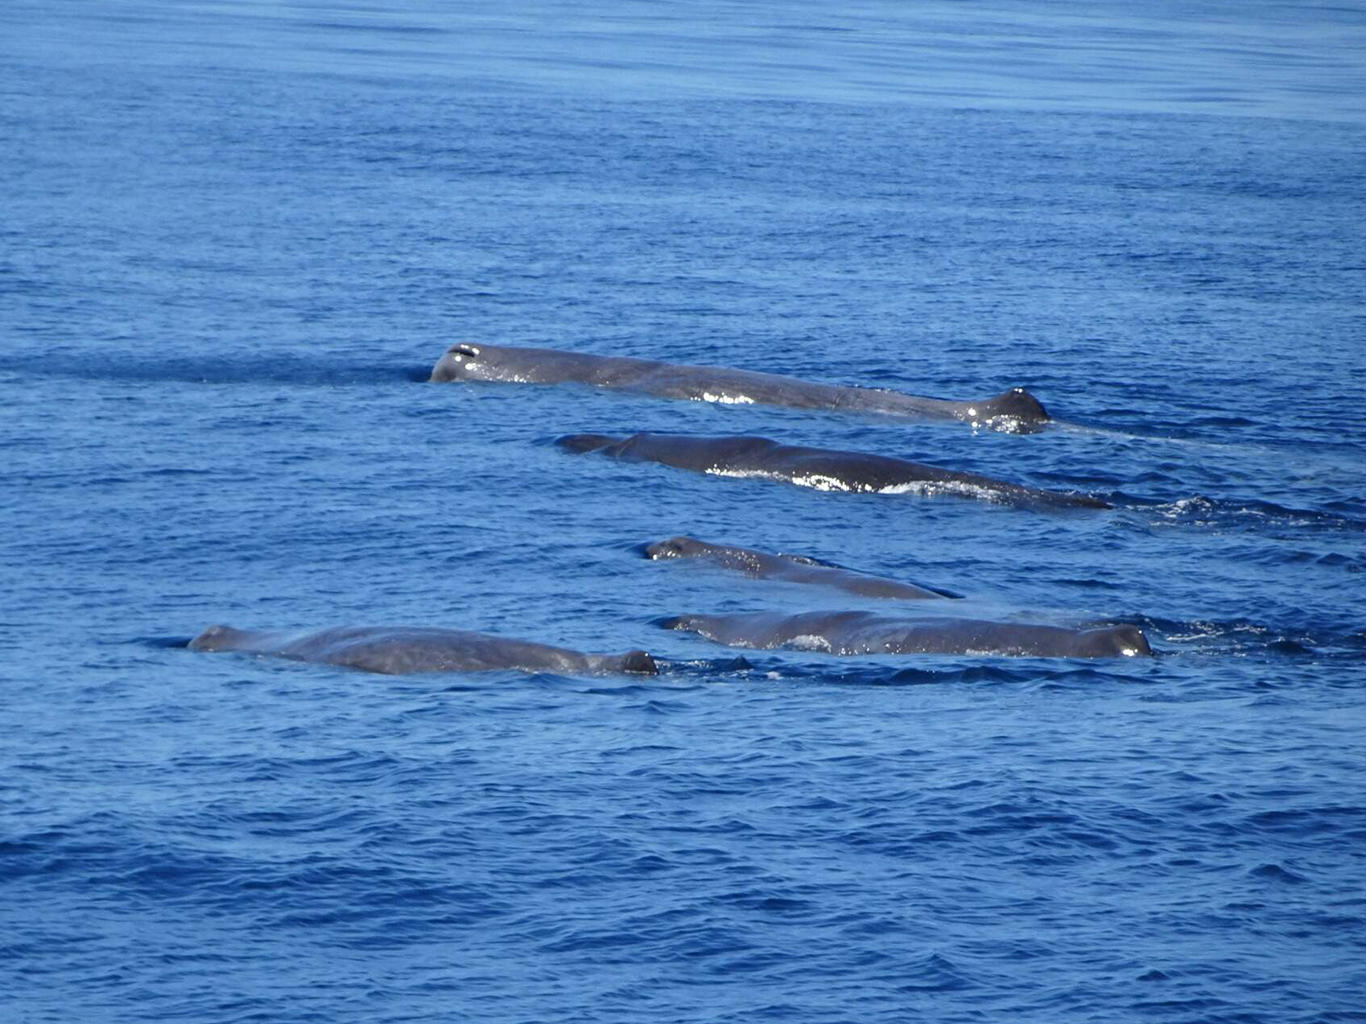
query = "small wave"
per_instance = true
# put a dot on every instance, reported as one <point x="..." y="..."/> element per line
<point x="1278" y="874"/>
<point x="935" y="973"/>
<point x="625" y="690"/>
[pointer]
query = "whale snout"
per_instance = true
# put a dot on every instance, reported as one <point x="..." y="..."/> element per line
<point x="1123" y="640"/>
<point x="1132" y="641"/>
<point x="674" y="547"/>
<point x="453" y="362"/>
<point x="581" y="443"/>
<point x="215" y="638"/>
<point x="640" y="662"/>
<point x="1019" y="404"/>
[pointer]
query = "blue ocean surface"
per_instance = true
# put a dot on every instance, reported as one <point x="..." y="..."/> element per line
<point x="234" y="238"/>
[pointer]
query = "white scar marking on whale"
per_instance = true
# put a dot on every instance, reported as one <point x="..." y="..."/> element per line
<point x="708" y="396"/>
<point x="933" y="488"/>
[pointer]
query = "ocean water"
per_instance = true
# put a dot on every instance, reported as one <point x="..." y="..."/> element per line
<point x="235" y="236"/>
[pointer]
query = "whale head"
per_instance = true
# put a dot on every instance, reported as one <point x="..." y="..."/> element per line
<point x="639" y="662"/>
<point x="1016" y="405"/>
<point x="459" y="362"/>
<point x="580" y="443"/>
<point x="1122" y="640"/>
<point x="676" y="547"/>
<point x="218" y="638"/>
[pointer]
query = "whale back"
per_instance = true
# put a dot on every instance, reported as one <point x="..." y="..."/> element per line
<point x="398" y="650"/>
<point x="730" y="453"/>
<point x="853" y="633"/>
<point x="789" y="568"/>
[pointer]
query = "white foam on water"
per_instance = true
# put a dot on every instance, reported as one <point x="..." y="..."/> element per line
<point x="934" y="488"/>
<point x="822" y="482"/>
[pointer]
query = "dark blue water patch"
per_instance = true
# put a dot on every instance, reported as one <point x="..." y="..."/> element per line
<point x="1231" y="422"/>
<point x="1092" y="584"/>
<point x="1276" y="874"/>
<point x="275" y="368"/>
<point x="1290" y="647"/>
<point x="367" y="27"/>
<point x="1310" y="821"/>
<point x="161" y="641"/>
<point x="1009" y="671"/>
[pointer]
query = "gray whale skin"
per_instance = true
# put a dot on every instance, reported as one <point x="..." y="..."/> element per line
<point x="824" y="468"/>
<point x="789" y="569"/>
<point x="859" y="633"/>
<point x="1014" y="410"/>
<point x="397" y="650"/>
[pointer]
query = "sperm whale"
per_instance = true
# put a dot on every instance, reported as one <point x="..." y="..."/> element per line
<point x="826" y="469"/>
<point x="789" y="569"/>
<point x="396" y="650"/>
<point x="1014" y="410"/>
<point x="863" y="633"/>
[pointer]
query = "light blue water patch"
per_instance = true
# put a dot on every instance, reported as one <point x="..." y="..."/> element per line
<point x="1281" y="60"/>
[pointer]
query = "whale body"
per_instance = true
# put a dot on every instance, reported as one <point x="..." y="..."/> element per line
<point x="397" y="650"/>
<point x="822" y="468"/>
<point x="862" y="633"/>
<point x="1015" y="410"/>
<point x="789" y="569"/>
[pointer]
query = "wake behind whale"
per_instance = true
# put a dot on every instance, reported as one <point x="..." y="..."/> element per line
<point x="1015" y="411"/>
